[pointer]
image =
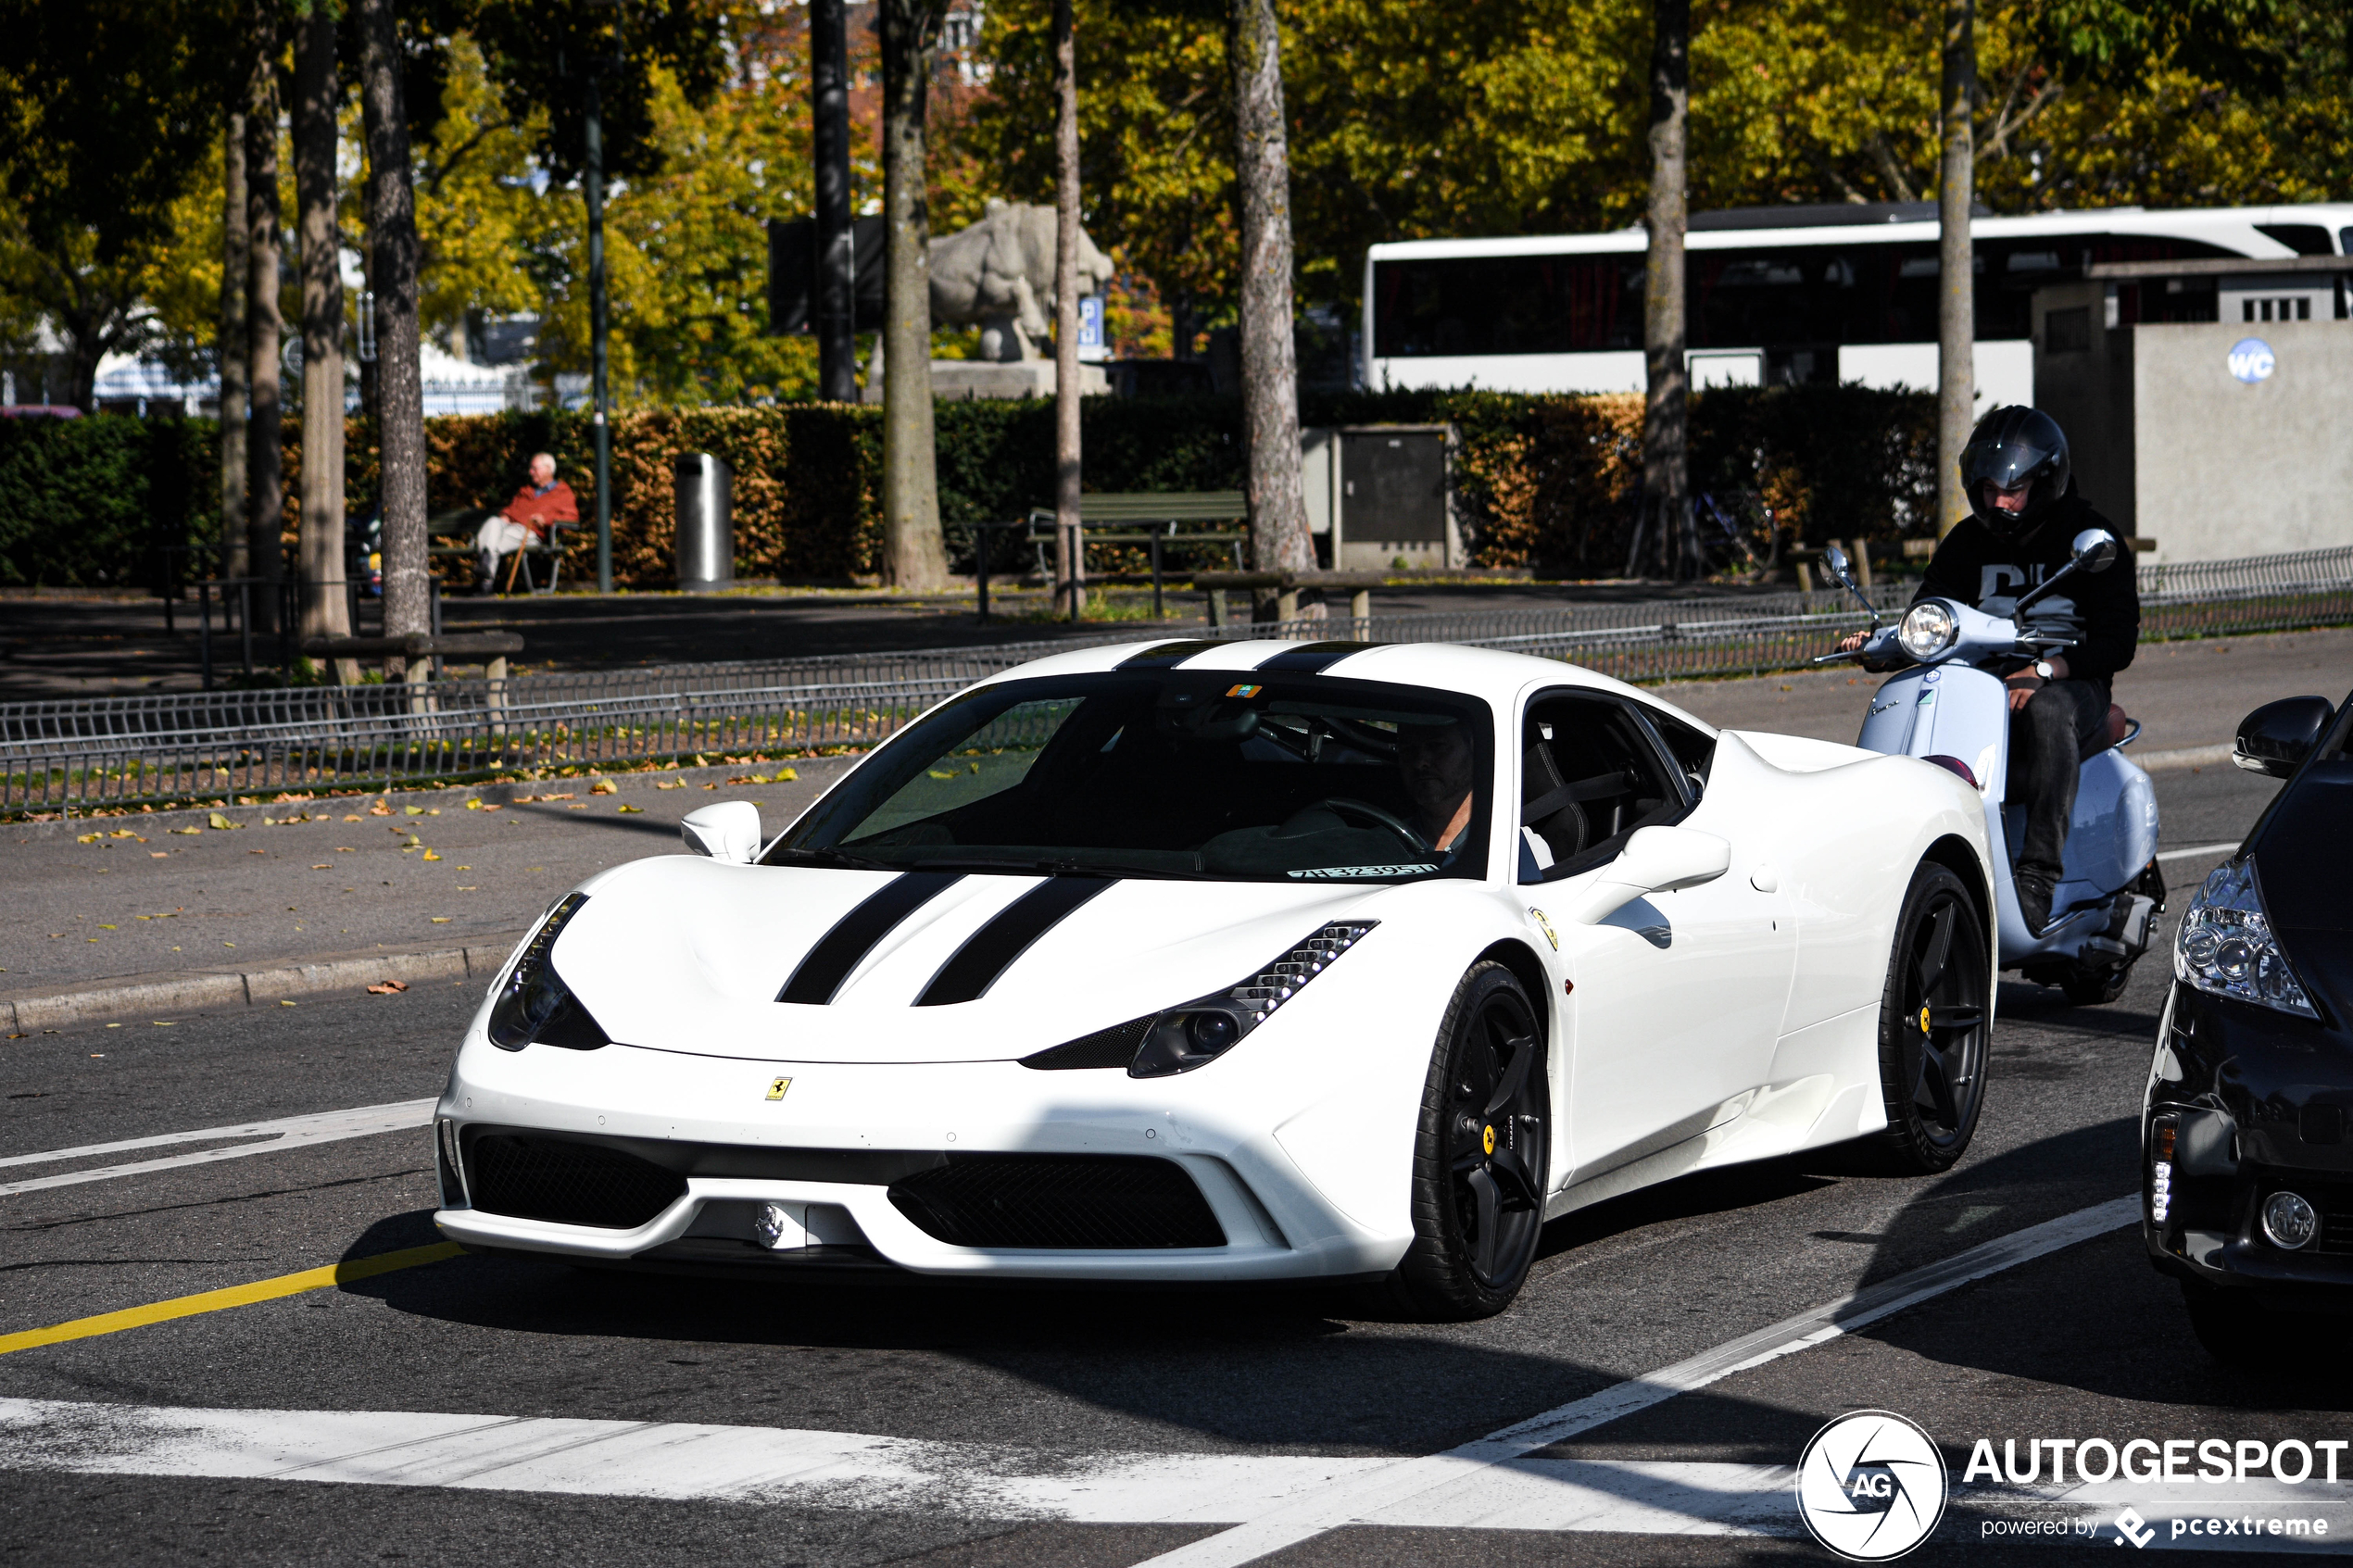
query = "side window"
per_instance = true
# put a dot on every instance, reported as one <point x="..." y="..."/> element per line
<point x="1692" y="750"/>
<point x="1589" y="778"/>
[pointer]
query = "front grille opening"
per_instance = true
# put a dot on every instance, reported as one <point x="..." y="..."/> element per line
<point x="569" y="1183"/>
<point x="1059" y="1201"/>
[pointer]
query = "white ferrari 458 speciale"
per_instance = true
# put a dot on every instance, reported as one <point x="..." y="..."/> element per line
<point x="1234" y="960"/>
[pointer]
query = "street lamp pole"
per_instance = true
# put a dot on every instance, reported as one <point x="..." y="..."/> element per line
<point x="597" y="329"/>
<point x="836" y="290"/>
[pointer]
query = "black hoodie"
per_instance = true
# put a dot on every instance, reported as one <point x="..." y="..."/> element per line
<point x="1973" y="564"/>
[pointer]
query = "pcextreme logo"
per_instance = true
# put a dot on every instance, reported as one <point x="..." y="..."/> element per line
<point x="1870" y="1485"/>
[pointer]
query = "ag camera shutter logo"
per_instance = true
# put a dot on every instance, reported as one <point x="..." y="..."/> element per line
<point x="2251" y="360"/>
<point x="1870" y="1485"/>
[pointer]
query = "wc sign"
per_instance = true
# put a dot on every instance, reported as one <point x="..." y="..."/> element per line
<point x="2251" y="360"/>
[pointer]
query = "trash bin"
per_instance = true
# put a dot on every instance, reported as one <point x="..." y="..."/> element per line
<point x="706" y="527"/>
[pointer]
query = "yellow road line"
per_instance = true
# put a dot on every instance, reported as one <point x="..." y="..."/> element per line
<point x="234" y="1296"/>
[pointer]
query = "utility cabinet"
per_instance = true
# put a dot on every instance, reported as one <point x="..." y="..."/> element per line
<point x="1378" y="494"/>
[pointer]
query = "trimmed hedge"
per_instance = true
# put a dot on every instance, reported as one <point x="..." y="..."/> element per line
<point x="90" y="503"/>
<point x="1547" y="483"/>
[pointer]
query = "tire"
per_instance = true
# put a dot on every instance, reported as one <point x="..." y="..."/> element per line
<point x="2235" y="1330"/>
<point x="2095" y="987"/>
<point x="1932" y="1029"/>
<point x="1480" y="1155"/>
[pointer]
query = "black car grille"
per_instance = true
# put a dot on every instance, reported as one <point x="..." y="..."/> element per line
<point x="571" y="1184"/>
<point x="1099" y="1201"/>
<point x="2337" y="1226"/>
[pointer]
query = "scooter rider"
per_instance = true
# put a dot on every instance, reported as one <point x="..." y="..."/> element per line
<point x="2025" y="511"/>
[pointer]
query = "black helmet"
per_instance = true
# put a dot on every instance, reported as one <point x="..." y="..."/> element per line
<point x="2010" y="446"/>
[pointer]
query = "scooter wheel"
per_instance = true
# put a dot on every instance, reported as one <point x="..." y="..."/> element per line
<point x="2091" y="987"/>
<point x="1933" y="1027"/>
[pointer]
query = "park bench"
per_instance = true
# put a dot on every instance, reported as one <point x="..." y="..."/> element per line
<point x="1287" y="585"/>
<point x="421" y="649"/>
<point x="1153" y="518"/>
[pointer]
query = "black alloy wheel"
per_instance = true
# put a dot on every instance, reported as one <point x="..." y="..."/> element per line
<point x="1481" y="1154"/>
<point x="1933" y="1026"/>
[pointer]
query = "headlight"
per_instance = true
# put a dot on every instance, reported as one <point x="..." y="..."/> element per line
<point x="1199" y="1032"/>
<point x="533" y="1003"/>
<point x="2225" y="946"/>
<point x="1928" y="629"/>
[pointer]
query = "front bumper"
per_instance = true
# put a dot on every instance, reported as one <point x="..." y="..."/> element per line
<point x="2259" y="1102"/>
<point x="1286" y="1192"/>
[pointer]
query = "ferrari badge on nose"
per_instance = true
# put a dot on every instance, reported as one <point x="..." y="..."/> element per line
<point x="776" y="1090"/>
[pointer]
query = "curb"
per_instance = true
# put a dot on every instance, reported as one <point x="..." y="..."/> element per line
<point x="22" y="1015"/>
<point x="2187" y="758"/>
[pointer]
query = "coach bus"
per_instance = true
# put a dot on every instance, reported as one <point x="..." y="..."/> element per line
<point x="1792" y="294"/>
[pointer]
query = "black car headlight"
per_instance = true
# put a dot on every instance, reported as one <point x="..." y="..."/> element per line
<point x="2226" y="945"/>
<point x="1199" y="1032"/>
<point x="533" y="1003"/>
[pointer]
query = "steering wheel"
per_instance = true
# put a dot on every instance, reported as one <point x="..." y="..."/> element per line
<point x="1340" y="806"/>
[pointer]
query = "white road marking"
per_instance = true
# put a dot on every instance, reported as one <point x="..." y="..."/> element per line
<point x="2195" y="850"/>
<point x="683" y="1462"/>
<point x="1436" y="1481"/>
<point x="290" y="1132"/>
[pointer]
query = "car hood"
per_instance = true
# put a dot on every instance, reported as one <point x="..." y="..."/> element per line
<point x="684" y="954"/>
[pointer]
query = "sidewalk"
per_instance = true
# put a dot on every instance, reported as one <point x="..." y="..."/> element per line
<point x="310" y="900"/>
<point x="180" y="898"/>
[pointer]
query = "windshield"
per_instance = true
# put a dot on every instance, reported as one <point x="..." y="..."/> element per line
<point x="1177" y="773"/>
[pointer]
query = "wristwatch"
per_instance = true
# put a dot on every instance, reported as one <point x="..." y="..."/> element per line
<point x="2043" y="668"/>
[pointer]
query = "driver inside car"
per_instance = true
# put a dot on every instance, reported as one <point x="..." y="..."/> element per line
<point x="1436" y="763"/>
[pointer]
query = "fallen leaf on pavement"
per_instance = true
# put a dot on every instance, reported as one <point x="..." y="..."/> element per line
<point x="604" y="786"/>
<point x="322" y="865"/>
<point x="159" y="854"/>
<point x="412" y="810"/>
<point x="387" y="987"/>
<point x="353" y="818"/>
<point x="184" y="830"/>
<point x="441" y="920"/>
<point x="88" y="837"/>
<point x="379" y="809"/>
<point x="432" y="854"/>
<point x="639" y="809"/>
<point x="475" y="805"/>
<point x="219" y="823"/>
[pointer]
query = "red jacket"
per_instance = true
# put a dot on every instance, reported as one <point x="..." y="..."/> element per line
<point x="536" y="509"/>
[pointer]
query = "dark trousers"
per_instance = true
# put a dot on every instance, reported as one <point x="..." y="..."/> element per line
<point x="2048" y="739"/>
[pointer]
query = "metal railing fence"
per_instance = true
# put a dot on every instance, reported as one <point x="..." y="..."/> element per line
<point x="75" y="754"/>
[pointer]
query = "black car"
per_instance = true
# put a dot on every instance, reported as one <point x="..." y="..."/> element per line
<point x="2246" y="1158"/>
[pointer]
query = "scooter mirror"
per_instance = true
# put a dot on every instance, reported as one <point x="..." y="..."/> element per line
<point x="2094" y="549"/>
<point x="1835" y="563"/>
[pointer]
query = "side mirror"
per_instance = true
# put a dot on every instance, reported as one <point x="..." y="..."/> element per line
<point x="2276" y="739"/>
<point x="726" y="830"/>
<point x="1835" y="561"/>
<point x="2095" y="549"/>
<point x="1655" y="860"/>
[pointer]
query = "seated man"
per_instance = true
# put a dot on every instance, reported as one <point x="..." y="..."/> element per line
<point x="1436" y="763"/>
<point x="539" y="505"/>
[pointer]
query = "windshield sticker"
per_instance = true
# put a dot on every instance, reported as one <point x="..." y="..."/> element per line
<point x="1339" y="871"/>
<point x="1244" y="691"/>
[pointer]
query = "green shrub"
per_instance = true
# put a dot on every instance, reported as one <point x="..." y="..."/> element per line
<point x="1548" y="482"/>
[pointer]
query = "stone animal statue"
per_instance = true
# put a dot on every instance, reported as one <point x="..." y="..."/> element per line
<point x="999" y="275"/>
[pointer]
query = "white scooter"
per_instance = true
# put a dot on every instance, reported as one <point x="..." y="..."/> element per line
<point x="1947" y="709"/>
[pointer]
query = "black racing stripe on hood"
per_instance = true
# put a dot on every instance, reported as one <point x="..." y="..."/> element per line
<point x="1312" y="658"/>
<point x="991" y="950"/>
<point x="854" y="936"/>
<point x="1162" y="654"/>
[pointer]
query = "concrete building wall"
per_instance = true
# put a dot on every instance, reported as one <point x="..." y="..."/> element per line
<point x="2227" y="468"/>
<point x="2169" y="444"/>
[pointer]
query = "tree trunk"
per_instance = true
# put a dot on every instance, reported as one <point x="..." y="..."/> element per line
<point x="836" y="292"/>
<point x="265" y="459"/>
<point x="1665" y="523"/>
<point x="236" y="269"/>
<point x="1070" y="551"/>
<point x="325" y="611"/>
<point x="400" y="424"/>
<point x="1279" y="540"/>
<point x="1957" y="266"/>
<point x="913" y="555"/>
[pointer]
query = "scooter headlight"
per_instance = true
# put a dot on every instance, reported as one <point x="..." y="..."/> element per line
<point x="1929" y="628"/>
<point x="2226" y="945"/>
